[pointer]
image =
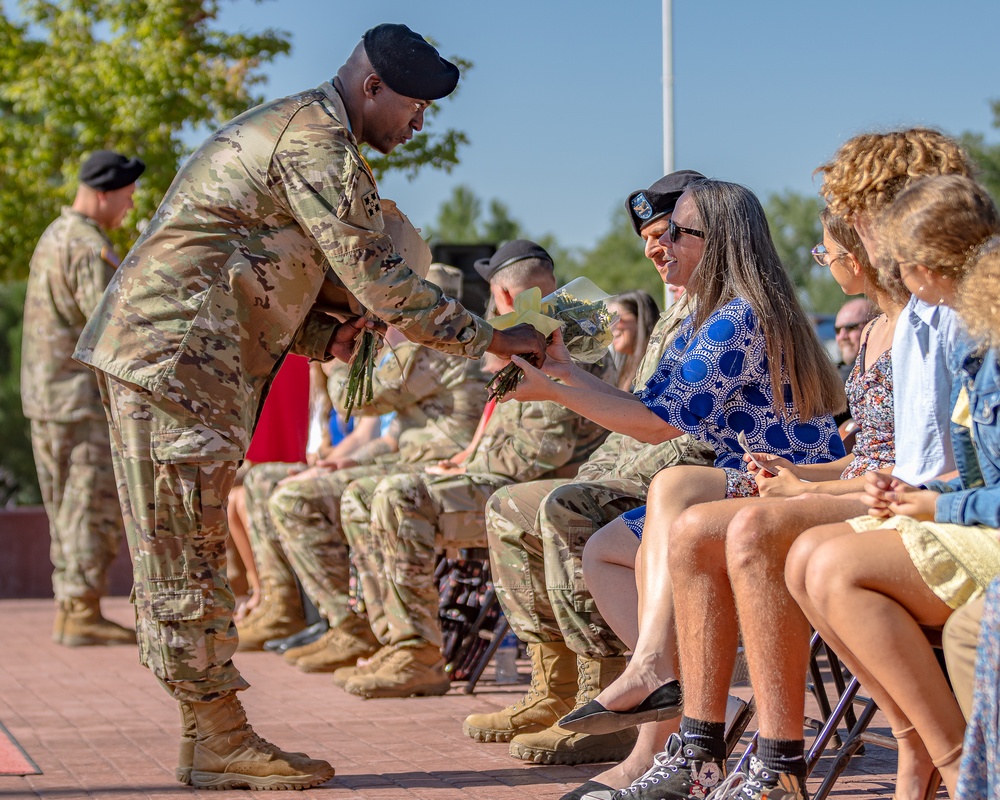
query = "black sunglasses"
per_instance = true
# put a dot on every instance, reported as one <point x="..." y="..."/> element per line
<point x="851" y="326"/>
<point x="674" y="230"/>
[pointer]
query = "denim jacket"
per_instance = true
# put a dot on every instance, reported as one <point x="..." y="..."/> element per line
<point x="974" y="497"/>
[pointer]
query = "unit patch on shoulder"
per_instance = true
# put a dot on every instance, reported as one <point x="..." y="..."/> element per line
<point x="371" y="204"/>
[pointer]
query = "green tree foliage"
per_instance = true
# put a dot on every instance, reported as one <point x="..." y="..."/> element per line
<point x="617" y="263"/>
<point x="460" y="220"/>
<point x="796" y="229"/>
<point x="17" y="468"/>
<point x="129" y="75"/>
<point x="986" y="156"/>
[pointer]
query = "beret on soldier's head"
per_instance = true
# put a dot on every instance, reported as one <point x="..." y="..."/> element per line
<point x="511" y="253"/>
<point x="659" y="199"/>
<point x="106" y="170"/>
<point x="408" y="63"/>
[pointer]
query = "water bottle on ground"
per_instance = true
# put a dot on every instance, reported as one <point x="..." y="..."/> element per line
<point x="505" y="660"/>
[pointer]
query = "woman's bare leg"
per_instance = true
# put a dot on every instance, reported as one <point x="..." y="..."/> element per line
<point x="654" y="658"/>
<point x="609" y="571"/>
<point x="866" y="598"/>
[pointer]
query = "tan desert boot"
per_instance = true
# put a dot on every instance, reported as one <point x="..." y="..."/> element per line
<point x="279" y="615"/>
<point x="83" y="625"/>
<point x="229" y="755"/>
<point x="404" y="672"/>
<point x="343" y="646"/>
<point x="550" y="697"/>
<point x="556" y="745"/>
<point x="363" y="667"/>
<point x="189" y="733"/>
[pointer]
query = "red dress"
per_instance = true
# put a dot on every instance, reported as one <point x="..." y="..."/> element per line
<point x="283" y="426"/>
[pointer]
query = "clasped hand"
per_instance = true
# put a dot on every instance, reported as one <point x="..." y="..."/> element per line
<point x="888" y="496"/>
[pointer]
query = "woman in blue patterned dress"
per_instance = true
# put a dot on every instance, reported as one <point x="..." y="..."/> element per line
<point x="746" y="362"/>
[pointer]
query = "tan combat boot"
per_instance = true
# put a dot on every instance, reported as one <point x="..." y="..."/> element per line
<point x="279" y="615"/>
<point x="229" y="755"/>
<point x="189" y="733"/>
<point x="549" y="698"/>
<point x="59" y="622"/>
<point x="556" y="745"/>
<point x="364" y="666"/>
<point x="342" y="647"/>
<point x="82" y="624"/>
<point x="406" y="671"/>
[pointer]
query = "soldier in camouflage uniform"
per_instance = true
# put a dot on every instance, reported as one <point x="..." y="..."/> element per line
<point x="70" y="268"/>
<point x="274" y="211"/>
<point x="436" y="400"/>
<point x="537" y="533"/>
<point x="412" y="515"/>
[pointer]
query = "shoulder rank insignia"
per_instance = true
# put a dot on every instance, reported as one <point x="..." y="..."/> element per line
<point x="371" y="204"/>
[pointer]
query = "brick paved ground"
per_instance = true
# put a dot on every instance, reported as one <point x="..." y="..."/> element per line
<point x="99" y="726"/>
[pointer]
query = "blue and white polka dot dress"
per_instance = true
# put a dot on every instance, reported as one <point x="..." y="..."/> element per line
<point x="714" y="383"/>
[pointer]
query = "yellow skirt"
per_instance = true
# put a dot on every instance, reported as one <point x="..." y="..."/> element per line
<point x="957" y="562"/>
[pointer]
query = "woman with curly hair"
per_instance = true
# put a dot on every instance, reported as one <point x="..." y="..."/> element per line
<point x="927" y="549"/>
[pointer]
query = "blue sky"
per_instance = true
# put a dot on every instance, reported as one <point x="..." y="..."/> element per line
<point x="563" y="106"/>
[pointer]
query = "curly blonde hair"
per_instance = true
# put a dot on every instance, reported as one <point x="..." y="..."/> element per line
<point x="979" y="298"/>
<point x="870" y="170"/>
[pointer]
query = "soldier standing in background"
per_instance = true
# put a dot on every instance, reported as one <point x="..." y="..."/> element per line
<point x="273" y="211"/>
<point x="70" y="268"/>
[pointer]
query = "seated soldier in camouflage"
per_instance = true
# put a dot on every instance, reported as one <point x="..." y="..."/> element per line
<point x="537" y="532"/>
<point x="404" y="519"/>
<point x="436" y="400"/>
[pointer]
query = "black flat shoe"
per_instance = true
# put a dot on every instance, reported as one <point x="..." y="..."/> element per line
<point x="591" y="790"/>
<point x="304" y="636"/>
<point x="662" y="704"/>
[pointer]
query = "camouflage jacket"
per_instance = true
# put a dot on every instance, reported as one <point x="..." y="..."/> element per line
<point x="224" y="279"/>
<point x="539" y="439"/>
<point x="70" y="268"/>
<point x="622" y="457"/>
<point x="438" y="400"/>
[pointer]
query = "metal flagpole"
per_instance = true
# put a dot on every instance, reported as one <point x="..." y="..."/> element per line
<point x="668" y="106"/>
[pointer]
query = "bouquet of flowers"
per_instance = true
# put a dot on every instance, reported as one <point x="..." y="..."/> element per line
<point x="579" y="308"/>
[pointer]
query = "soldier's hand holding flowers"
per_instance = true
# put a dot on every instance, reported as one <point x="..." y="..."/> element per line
<point x="577" y="311"/>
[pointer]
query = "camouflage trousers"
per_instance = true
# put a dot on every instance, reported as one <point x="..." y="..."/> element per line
<point x="410" y="516"/>
<point x="174" y="476"/>
<point x="306" y="515"/>
<point x="73" y="460"/>
<point x="537" y="532"/>
<point x="273" y="565"/>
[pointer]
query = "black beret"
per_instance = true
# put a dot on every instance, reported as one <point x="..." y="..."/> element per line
<point x="107" y="170"/>
<point x="510" y="253"/>
<point x="659" y="199"/>
<point x="408" y="63"/>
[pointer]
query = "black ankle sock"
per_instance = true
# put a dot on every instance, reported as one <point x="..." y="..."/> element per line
<point x="710" y="736"/>
<point x="783" y="755"/>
